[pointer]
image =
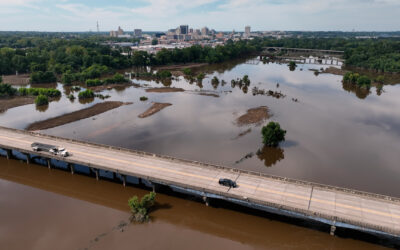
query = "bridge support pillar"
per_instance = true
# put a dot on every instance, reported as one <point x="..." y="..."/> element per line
<point x="28" y="158"/>
<point x="333" y="229"/>
<point x="155" y="187"/>
<point x="71" y="167"/>
<point x="206" y="200"/>
<point x="8" y="154"/>
<point x="96" y="172"/>
<point x="48" y="163"/>
<point x="123" y="180"/>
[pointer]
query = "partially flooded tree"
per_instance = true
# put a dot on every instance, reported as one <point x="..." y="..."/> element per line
<point x="273" y="134"/>
<point x="292" y="65"/>
<point x="140" y="209"/>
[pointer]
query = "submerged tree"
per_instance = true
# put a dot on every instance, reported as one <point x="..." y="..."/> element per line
<point x="140" y="209"/>
<point x="292" y="65"/>
<point x="273" y="134"/>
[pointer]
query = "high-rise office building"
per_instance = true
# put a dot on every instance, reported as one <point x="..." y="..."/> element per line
<point x="184" y="29"/>
<point x="120" y="31"/>
<point x="137" y="32"/>
<point x="247" y="30"/>
<point x="204" y="31"/>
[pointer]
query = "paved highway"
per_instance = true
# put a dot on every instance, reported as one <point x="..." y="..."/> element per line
<point x="362" y="210"/>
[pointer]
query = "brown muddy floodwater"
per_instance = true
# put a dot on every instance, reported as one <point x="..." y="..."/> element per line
<point x="52" y="209"/>
<point x="336" y="135"/>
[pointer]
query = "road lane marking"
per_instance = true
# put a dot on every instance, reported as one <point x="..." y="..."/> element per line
<point x="257" y="188"/>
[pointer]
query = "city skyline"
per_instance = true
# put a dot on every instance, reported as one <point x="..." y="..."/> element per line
<point x="226" y="15"/>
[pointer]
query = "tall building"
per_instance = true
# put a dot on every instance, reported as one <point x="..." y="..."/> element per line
<point x="247" y="30"/>
<point x="137" y="32"/>
<point x="120" y="31"/>
<point x="113" y="33"/>
<point x="204" y="31"/>
<point x="184" y="29"/>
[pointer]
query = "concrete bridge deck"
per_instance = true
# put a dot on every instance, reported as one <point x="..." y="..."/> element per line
<point x="331" y="205"/>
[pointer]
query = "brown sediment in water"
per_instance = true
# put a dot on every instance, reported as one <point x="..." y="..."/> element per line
<point x="156" y="107"/>
<point x="22" y="79"/>
<point x="208" y="94"/>
<point x="8" y="103"/>
<point x="181" y="66"/>
<point x="113" y="86"/>
<point x="334" y="71"/>
<point x="253" y="116"/>
<point x="75" y="116"/>
<point x="164" y="90"/>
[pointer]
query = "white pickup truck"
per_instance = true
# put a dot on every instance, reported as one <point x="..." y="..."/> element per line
<point x="50" y="148"/>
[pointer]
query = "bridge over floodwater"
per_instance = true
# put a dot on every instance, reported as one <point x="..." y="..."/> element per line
<point x="335" y="206"/>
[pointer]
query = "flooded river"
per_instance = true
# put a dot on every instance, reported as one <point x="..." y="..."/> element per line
<point x="335" y="135"/>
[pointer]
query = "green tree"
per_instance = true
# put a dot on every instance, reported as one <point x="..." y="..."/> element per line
<point x="154" y="42"/>
<point x="86" y="94"/>
<point x="215" y="82"/>
<point x="6" y="90"/>
<point x="273" y="134"/>
<point x="187" y="71"/>
<point x="292" y="65"/>
<point x="41" y="100"/>
<point x="364" y="81"/>
<point x="140" y="209"/>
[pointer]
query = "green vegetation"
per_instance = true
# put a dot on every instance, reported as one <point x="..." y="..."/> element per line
<point x="380" y="79"/>
<point x="215" y="82"/>
<point x="41" y="100"/>
<point x="292" y="65"/>
<point x="246" y="80"/>
<point x="164" y="74"/>
<point x="154" y="42"/>
<point x="43" y="77"/>
<point x="143" y="98"/>
<point x="1" y="79"/>
<point x="200" y="76"/>
<point x="187" y="71"/>
<point x="273" y="134"/>
<point x="242" y="83"/>
<point x="6" y="90"/>
<point x="39" y="91"/>
<point x="359" y="80"/>
<point x="140" y="209"/>
<point x="117" y="78"/>
<point x="71" y="97"/>
<point x="86" y="94"/>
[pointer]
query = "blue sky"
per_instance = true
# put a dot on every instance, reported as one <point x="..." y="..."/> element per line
<point x="74" y="15"/>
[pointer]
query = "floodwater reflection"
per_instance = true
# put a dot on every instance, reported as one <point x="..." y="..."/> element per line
<point x="270" y="155"/>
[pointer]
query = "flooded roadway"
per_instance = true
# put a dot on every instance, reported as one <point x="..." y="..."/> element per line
<point x="336" y="135"/>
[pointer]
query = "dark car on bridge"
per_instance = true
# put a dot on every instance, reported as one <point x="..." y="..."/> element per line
<point x="227" y="182"/>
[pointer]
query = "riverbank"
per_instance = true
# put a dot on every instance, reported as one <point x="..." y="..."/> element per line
<point x="254" y="116"/>
<point x="8" y="103"/>
<point x="164" y="90"/>
<point x="75" y="116"/>
<point x="156" y="107"/>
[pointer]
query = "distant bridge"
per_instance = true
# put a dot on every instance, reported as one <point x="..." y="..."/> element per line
<point x="317" y="52"/>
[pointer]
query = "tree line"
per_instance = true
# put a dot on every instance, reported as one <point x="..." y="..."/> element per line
<point x="46" y="56"/>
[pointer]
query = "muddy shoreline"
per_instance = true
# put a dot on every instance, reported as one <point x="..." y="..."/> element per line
<point x="156" y="107"/>
<point x="13" y="102"/>
<point x="253" y="116"/>
<point x="164" y="90"/>
<point x="181" y="66"/>
<point x="75" y="116"/>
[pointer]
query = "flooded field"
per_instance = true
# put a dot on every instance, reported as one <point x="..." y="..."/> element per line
<point x="336" y="135"/>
